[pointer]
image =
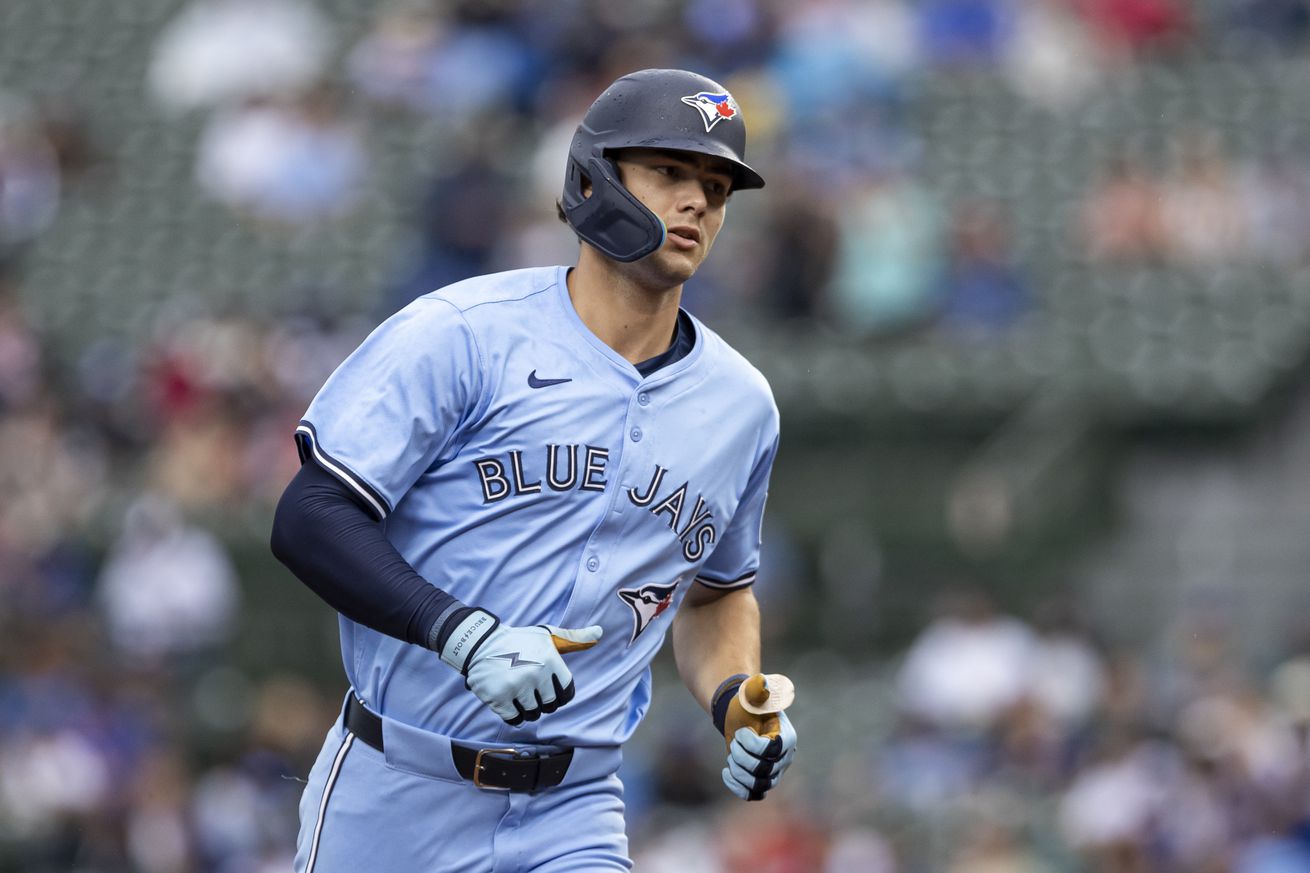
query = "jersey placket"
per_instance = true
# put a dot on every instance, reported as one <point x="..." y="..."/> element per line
<point x="597" y="565"/>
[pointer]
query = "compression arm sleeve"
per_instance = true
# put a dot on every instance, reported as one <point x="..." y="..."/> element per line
<point x="336" y="548"/>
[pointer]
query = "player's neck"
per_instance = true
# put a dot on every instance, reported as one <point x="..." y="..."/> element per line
<point x="629" y="317"/>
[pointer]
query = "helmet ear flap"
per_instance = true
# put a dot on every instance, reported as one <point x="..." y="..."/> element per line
<point x="612" y="220"/>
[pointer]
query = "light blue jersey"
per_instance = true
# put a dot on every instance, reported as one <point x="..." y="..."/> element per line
<point x="527" y="468"/>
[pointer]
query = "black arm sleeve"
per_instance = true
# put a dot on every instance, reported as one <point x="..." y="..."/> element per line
<point x="336" y="548"/>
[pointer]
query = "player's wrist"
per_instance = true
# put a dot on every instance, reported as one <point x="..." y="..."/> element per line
<point x="459" y="633"/>
<point x="722" y="699"/>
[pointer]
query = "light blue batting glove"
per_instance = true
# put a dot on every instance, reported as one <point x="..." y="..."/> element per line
<point x="517" y="671"/>
<point x="760" y="747"/>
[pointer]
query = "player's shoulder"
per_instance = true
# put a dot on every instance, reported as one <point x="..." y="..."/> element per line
<point x="736" y="372"/>
<point x="496" y="289"/>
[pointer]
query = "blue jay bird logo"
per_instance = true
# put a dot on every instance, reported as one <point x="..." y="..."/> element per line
<point x="647" y="603"/>
<point x="713" y="107"/>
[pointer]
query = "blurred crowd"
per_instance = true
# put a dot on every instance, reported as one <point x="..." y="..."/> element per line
<point x="1029" y="746"/>
<point x="853" y="232"/>
<point x="129" y="738"/>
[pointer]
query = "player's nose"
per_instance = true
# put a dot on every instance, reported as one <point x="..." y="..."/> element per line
<point x="692" y="197"/>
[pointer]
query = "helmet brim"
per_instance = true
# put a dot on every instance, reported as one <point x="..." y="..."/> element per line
<point x="744" y="177"/>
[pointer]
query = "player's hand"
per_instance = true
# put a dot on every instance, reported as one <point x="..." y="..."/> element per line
<point x="517" y="671"/>
<point x="760" y="747"/>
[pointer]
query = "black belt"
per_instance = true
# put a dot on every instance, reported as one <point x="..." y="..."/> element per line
<point x="496" y="768"/>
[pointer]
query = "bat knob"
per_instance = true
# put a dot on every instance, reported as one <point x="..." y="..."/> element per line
<point x="764" y="694"/>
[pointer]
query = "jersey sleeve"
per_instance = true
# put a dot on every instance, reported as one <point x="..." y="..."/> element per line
<point x="397" y="404"/>
<point x="736" y="556"/>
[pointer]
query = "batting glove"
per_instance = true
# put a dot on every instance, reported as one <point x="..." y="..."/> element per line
<point x="517" y="671"/>
<point x="760" y="747"/>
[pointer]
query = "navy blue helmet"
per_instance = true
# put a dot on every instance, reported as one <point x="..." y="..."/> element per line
<point x="658" y="109"/>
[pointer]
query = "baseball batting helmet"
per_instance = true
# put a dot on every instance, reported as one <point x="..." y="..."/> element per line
<point x="658" y="109"/>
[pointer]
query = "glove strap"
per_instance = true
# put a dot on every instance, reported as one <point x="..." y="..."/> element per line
<point x="723" y="698"/>
<point x="462" y="633"/>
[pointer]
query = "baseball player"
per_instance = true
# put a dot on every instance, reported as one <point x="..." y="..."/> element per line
<point x="511" y="491"/>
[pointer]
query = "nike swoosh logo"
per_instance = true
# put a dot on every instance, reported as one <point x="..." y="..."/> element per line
<point x="534" y="382"/>
<point x="514" y="660"/>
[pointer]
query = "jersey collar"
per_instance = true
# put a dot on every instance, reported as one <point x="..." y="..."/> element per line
<point x="617" y="361"/>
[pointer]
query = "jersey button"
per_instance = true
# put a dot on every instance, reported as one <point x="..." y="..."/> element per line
<point x="636" y="434"/>
<point x="593" y="564"/>
<point x="643" y="398"/>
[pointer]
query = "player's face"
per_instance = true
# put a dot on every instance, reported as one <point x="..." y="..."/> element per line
<point x="689" y="192"/>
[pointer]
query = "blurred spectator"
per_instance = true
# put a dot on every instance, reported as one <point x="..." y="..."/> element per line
<point x="1067" y="671"/>
<point x="29" y="175"/>
<point x="196" y="461"/>
<point x="64" y="125"/>
<point x="1275" y="208"/>
<point x="805" y="238"/>
<point x="687" y="848"/>
<point x="456" y="243"/>
<point x="167" y="589"/>
<point x="922" y="768"/>
<point x="1126" y="28"/>
<point x="888" y="256"/>
<point x="51" y="476"/>
<point x="769" y="838"/>
<point x="989" y="846"/>
<point x="224" y="51"/>
<point x="1274" y="854"/>
<point x="1112" y="805"/>
<point x="1197" y="657"/>
<point x="963" y="33"/>
<point x="47" y="778"/>
<point x="20" y="348"/>
<point x="288" y="163"/>
<point x="733" y="32"/>
<point x="983" y="290"/>
<point x="681" y="775"/>
<point x="431" y="58"/>
<point x="1121" y="215"/>
<point x="159" y="839"/>
<point x="859" y="850"/>
<point x="1202" y="212"/>
<point x="390" y="64"/>
<point x="869" y="48"/>
<point x="1051" y="60"/>
<point x="968" y="667"/>
<point x="242" y="814"/>
<point x="1259" y="23"/>
<point x="1239" y="732"/>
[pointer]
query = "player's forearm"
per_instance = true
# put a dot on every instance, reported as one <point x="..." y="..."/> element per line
<point x="716" y="635"/>
<point x="339" y="552"/>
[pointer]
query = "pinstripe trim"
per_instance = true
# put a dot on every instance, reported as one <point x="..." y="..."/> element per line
<point x="739" y="582"/>
<point x="305" y="436"/>
<point x="327" y="792"/>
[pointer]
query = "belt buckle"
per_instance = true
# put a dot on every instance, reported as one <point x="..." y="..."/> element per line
<point x="477" y="768"/>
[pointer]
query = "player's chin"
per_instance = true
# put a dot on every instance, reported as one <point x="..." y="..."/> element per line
<point x="676" y="267"/>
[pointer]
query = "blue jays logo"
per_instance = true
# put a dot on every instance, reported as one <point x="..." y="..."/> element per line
<point x="713" y="107"/>
<point x="646" y="603"/>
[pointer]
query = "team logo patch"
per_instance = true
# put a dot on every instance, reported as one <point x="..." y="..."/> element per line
<point x="713" y="107"/>
<point x="646" y="603"/>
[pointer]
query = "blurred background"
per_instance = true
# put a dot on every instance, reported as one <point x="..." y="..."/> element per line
<point x="1030" y="280"/>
